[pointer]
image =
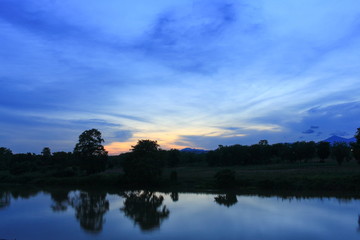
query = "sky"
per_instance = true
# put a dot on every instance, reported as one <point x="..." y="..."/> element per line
<point x="186" y="73"/>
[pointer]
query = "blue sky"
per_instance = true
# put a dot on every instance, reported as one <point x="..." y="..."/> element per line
<point x="187" y="73"/>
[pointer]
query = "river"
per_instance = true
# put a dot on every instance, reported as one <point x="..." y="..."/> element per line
<point x="64" y="214"/>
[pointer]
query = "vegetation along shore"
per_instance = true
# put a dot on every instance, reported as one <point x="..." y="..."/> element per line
<point x="299" y="166"/>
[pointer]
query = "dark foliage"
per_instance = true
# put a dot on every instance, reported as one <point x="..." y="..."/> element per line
<point x="90" y="152"/>
<point x="144" y="164"/>
<point x="356" y="146"/>
<point x="340" y="151"/>
<point x="225" y="178"/>
<point x="323" y="150"/>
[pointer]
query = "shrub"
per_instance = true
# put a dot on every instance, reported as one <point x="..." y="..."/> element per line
<point x="225" y="178"/>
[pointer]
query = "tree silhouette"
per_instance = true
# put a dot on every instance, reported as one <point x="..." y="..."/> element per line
<point x="91" y="152"/>
<point x="356" y="146"/>
<point x="173" y="158"/>
<point x="340" y="151"/>
<point x="323" y="150"/>
<point x="143" y="165"/>
<point x="225" y="178"/>
<point x="5" y="157"/>
<point x="46" y="152"/>
<point x="357" y="135"/>
<point x="145" y="209"/>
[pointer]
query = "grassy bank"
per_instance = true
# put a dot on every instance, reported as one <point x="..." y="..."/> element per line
<point x="312" y="176"/>
<point x="296" y="177"/>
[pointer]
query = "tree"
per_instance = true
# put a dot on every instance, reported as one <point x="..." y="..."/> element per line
<point x="323" y="150"/>
<point x="340" y="151"/>
<point x="5" y="156"/>
<point x="304" y="150"/>
<point x="225" y="178"/>
<point x="357" y="136"/>
<point x="356" y="146"/>
<point x="46" y="152"/>
<point x="173" y="157"/>
<point x="263" y="142"/>
<point x="90" y="151"/>
<point x="143" y="165"/>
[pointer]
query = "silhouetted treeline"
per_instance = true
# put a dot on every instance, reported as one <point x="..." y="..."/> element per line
<point x="88" y="157"/>
<point x="145" y="161"/>
<point x="263" y="153"/>
<point x="67" y="164"/>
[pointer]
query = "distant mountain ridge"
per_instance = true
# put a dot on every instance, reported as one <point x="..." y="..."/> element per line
<point x="333" y="139"/>
<point x="193" y="150"/>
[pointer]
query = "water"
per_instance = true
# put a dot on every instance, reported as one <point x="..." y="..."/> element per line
<point x="64" y="214"/>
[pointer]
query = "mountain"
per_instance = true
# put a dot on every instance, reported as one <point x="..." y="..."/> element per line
<point x="193" y="150"/>
<point x="333" y="139"/>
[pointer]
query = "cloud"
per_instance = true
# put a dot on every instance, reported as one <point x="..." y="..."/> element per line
<point x="130" y="117"/>
<point x="254" y="70"/>
<point x="94" y="122"/>
<point x="309" y="131"/>
<point x="28" y="16"/>
<point x="123" y="135"/>
<point x="187" y="39"/>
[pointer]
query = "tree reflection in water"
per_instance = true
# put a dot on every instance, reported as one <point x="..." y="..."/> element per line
<point x="174" y="196"/>
<point x="145" y="208"/>
<point x="90" y="209"/>
<point x="60" y="200"/>
<point x="4" y="199"/>
<point x="228" y="199"/>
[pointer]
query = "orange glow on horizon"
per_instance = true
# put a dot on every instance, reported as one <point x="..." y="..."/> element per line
<point x="168" y="139"/>
<point x="116" y="148"/>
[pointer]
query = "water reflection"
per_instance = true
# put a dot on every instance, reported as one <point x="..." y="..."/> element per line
<point x="60" y="200"/>
<point x="174" y="196"/>
<point x="227" y="199"/>
<point x="90" y="209"/>
<point x="145" y="209"/>
<point x="4" y="199"/>
<point x="24" y="193"/>
<point x="195" y="216"/>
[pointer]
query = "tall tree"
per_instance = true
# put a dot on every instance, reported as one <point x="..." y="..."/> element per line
<point x="356" y="146"/>
<point x="46" y="152"/>
<point x="90" y="151"/>
<point x="340" y="151"/>
<point x="46" y="155"/>
<point x="323" y="150"/>
<point x="5" y="156"/>
<point x="143" y="165"/>
<point x="357" y="136"/>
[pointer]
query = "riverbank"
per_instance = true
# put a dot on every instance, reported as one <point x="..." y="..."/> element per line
<point x="313" y="176"/>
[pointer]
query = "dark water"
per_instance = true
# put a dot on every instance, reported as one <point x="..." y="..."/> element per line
<point x="63" y="214"/>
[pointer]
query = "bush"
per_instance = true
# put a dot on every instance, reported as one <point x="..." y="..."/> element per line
<point x="173" y="177"/>
<point x="225" y="178"/>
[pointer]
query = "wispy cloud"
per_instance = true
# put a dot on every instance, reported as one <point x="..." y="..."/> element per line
<point x="199" y="73"/>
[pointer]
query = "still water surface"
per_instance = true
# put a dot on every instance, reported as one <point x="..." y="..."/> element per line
<point x="64" y="214"/>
